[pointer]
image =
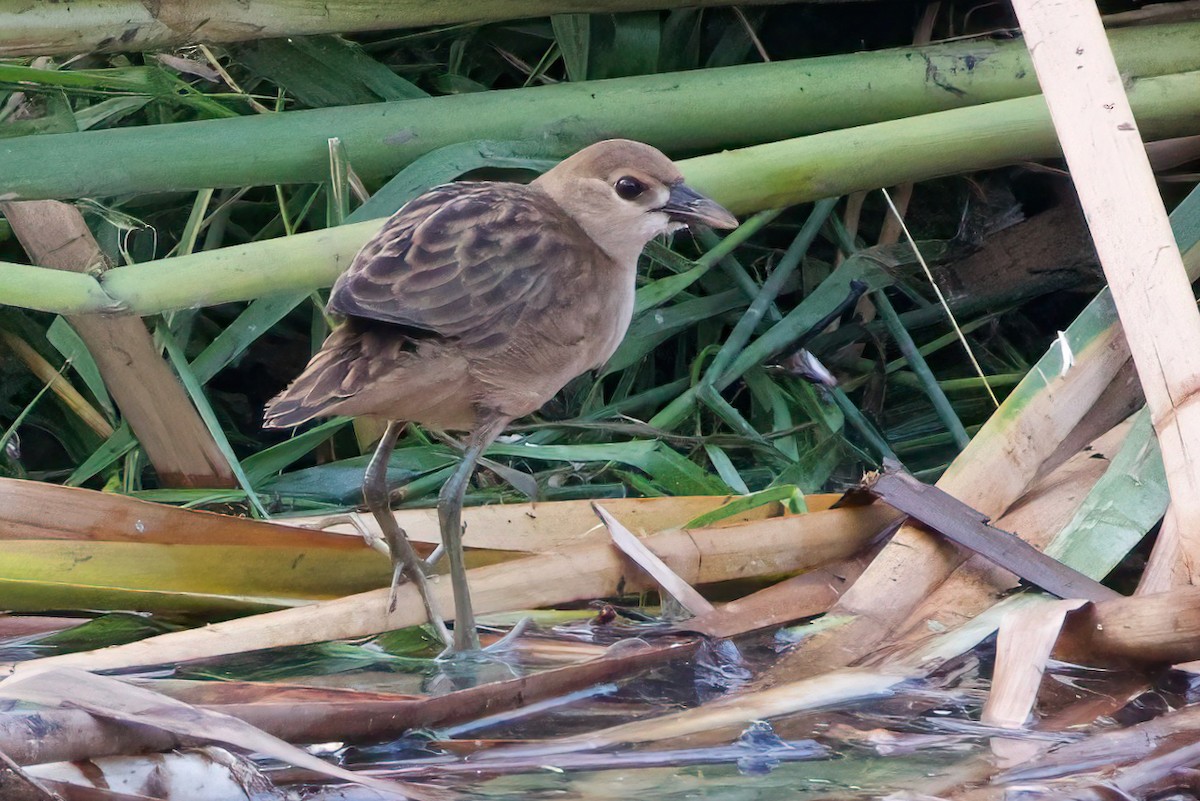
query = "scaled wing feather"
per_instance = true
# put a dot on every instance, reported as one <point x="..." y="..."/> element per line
<point x="460" y="261"/>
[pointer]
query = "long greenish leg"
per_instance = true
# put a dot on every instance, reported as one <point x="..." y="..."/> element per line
<point x="450" y="503"/>
<point x="404" y="558"/>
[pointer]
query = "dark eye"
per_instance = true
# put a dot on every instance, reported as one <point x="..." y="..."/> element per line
<point x="628" y="188"/>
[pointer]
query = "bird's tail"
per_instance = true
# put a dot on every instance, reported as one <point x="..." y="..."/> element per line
<point x="322" y="384"/>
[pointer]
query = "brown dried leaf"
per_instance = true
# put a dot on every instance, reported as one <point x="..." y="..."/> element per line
<point x="667" y="579"/>
<point x="116" y="700"/>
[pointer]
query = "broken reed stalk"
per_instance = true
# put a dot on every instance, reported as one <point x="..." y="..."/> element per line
<point x="989" y="475"/>
<point x="767" y="176"/>
<point x="101" y="550"/>
<point x="145" y="390"/>
<point x="59" y="385"/>
<point x="104" y="550"/>
<point x="1037" y="517"/>
<point x="1142" y="631"/>
<point x="1026" y="637"/>
<point x="977" y="588"/>
<point x="542" y="527"/>
<point x="1158" y="629"/>
<point x="808" y="594"/>
<point x="959" y="523"/>
<point x="1134" y="241"/>
<point x="699" y="556"/>
<point x="695" y="111"/>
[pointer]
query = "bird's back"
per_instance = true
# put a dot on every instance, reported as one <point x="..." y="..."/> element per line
<point x="474" y="295"/>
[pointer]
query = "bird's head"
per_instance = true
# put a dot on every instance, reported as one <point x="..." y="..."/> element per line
<point x="625" y="193"/>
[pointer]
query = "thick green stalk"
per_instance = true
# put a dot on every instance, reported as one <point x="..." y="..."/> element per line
<point x="48" y="27"/>
<point x="687" y="112"/>
<point x="762" y="177"/>
<point x="918" y="148"/>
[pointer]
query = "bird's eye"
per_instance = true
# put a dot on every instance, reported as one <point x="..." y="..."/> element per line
<point x="628" y="188"/>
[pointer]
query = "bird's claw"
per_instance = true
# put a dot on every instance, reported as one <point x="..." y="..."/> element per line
<point x="397" y="572"/>
<point x="510" y="639"/>
<point x="435" y="619"/>
<point x="373" y="539"/>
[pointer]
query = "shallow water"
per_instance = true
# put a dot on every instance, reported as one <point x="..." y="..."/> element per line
<point x="923" y="738"/>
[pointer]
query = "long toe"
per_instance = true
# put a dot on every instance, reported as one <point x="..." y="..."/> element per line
<point x="397" y="572"/>
<point x="509" y="640"/>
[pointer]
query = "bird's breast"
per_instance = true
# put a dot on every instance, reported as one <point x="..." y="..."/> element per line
<point x="614" y="321"/>
<point x="577" y="332"/>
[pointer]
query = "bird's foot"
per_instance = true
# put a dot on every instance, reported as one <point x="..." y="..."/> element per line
<point x="507" y="642"/>
<point x="431" y="610"/>
<point x="497" y="651"/>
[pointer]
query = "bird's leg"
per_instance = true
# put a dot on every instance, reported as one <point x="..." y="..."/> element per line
<point x="521" y="481"/>
<point x="450" y="502"/>
<point x="404" y="558"/>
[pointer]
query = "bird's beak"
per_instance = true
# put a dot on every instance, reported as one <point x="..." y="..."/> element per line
<point x="686" y="205"/>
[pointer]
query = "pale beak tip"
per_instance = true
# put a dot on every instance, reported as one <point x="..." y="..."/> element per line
<point x="722" y="218"/>
<point x="686" y="205"/>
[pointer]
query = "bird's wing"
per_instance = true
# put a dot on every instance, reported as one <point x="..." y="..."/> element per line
<point x="462" y="261"/>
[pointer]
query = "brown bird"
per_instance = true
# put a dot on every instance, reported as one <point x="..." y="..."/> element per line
<point x="475" y="304"/>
